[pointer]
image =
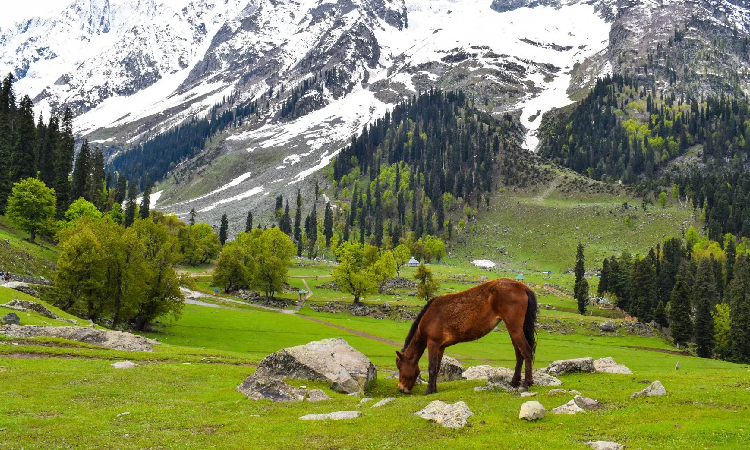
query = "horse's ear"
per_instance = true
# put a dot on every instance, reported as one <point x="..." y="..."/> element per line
<point x="399" y="355"/>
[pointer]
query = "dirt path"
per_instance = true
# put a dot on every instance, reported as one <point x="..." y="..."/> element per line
<point x="552" y="186"/>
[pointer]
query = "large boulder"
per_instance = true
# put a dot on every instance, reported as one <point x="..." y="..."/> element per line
<point x="117" y="340"/>
<point x="653" y="390"/>
<point x="333" y="361"/>
<point x="532" y="410"/>
<point x="608" y="326"/>
<point x="503" y="375"/>
<point x="565" y="366"/>
<point x="478" y="372"/>
<point x="11" y="319"/>
<point x="450" y="370"/>
<point x="447" y="415"/>
<point x="608" y="365"/>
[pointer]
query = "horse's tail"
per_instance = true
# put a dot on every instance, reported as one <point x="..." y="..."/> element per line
<point x="529" y="328"/>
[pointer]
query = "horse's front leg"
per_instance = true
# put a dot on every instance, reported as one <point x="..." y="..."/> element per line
<point x="435" y="357"/>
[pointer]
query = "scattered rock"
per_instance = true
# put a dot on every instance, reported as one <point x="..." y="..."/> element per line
<point x="608" y="326"/>
<point x="528" y="394"/>
<point x="11" y="319"/>
<point x="565" y="366"/>
<point x="338" y="415"/>
<point x="317" y="395"/>
<point x="589" y="404"/>
<point x="605" y="445"/>
<point x="532" y="410"/>
<point x="26" y="306"/>
<point x="386" y="307"/>
<point x="396" y="283"/>
<point x="123" y="365"/>
<point x="478" y="372"/>
<point x="365" y="400"/>
<point x="450" y="370"/>
<point x="447" y="415"/>
<point x="20" y="286"/>
<point x="331" y="360"/>
<point x="383" y="402"/>
<point x="271" y="388"/>
<point x="360" y="310"/>
<point x="126" y="413"/>
<point x="541" y="378"/>
<point x="554" y="392"/>
<point x="569" y="408"/>
<point x="608" y="365"/>
<point x="118" y="340"/>
<point x="654" y="389"/>
<point x="574" y="392"/>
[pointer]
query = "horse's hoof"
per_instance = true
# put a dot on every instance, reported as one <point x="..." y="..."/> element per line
<point x="430" y="392"/>
<point x="514" y="384"/>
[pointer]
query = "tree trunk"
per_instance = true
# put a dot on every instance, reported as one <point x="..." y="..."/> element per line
<point x="32" y="238"/>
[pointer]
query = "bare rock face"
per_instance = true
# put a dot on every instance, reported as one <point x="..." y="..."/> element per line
<point x="118" y="340"/>
<point x="123" y="365"/>
<point x="532" y="410"/>
<point x="450" y="370"/>
<point x="447" y="415"/>
<point x="317" y="395"/>
<point x="608" y="365"/>
<point x="383" y="402"/>
<point x="331" y="360"/>
<point x="654" y="389"/>
<point x="565" y="366"/>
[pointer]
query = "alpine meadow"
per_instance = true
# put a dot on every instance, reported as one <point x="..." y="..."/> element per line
<point x="375" y="224"/>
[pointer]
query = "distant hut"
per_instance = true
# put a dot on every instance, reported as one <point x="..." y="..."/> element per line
<point x="520" y="277"/>
<point x="412" y="263"/>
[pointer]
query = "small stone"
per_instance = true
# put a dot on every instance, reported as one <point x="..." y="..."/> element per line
<point x="553" y="392"/>
<point x="123" y="365"/>
<point x="447" y="415"/>
<point x="589" y="404"/>
<point x="574" y="392"/>
<point x="528" y="394"/>
<point x="605" y="445"/>
<point x="569" y="408"/>
<point x="11" y="319"/>
<point x="654" y="389"/>
<point x="338" y="415"/>
<point x="123" y="414"/>
<point x="365" y="400"/>
<point x="317" y="395"/>
<point x="532" y="410"/>
<point x="383" y="402"/>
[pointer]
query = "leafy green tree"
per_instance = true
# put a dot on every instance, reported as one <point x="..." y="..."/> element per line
<point x="680" y="312"/>
<point x="223" y="229"/>
<point x="739" y="306"/>
<point x="434" y="247"/>
<point x="272" y="253"/>
<point x="80" y="274"/>
<point x="427" y="287"/>
<point x="705" y="297"/>
<point x="233" y="270"/>
<point x="663" y="200"/>
<point x="721" y="319"/>
<point x="356" y="271"/>
<point x="81" y="208"/>
<point x="199" y="244"/>
<point x="32" y="205"/>
<point x="581" y="287"/>
<point x="401" y="255"/>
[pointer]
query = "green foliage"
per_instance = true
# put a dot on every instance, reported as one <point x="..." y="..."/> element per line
<point x="361" y="270"/>
<point x="721" y="330"/>
<point x="680" y="312"/>
<point x="427" y="286"/>
<point x="233" y="269"/>
<point x="581" y="286"/>
<point x="434" y="248"/>
<point x="739" y="306"/>
<point x="80" y="208"/>
<point x="199" y="244"/>
<point x="705" y="297"/>
<point x="32" y="205"/>
<point x="223" y="229"/>
<point x="401" y="255"/>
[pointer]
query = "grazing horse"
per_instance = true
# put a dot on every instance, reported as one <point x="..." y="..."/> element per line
<point x="466" y="316"/>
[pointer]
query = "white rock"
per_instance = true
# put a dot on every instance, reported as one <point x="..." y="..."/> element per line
<point x="383" y="402"/>
<point x="655" y="389"/>
<point x="586" y="403"/>
<point x="605" y="445"/>
<point x="450" y="370"/>
<point x="608" y="365"/>
<point x="123" y="414"/>
<point x="479" y="372"/>
<point x="569" y="408"/>
<point x="528" y="394"/>
<point x="365" y="400"/>
<point x="317" y="395"/>
<point x="338" y="415"/>
<point x="557" y="392"/>
<point x="565" y="366"/>
<point x="447" y="415"/>
<point x="532" y="410"/>
<point x="123" y="365"/>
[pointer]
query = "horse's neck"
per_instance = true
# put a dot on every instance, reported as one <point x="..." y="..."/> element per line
<point x="416" y="347"/>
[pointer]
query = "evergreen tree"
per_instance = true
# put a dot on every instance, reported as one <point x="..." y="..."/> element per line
<point x="730" y="251"/>
<point x="81" y="171"/>
<point x="580" y="288"/>
<point x="285" y="224"/>
<point x="680" y="309"/>
<point x="23" y="157"/>
<point x="660" y="315"/>
<point x="739" y="307"/>
<point x="63" y="163"/>
<point x="378" y="235"/>
<point x="131" y="206"/>
<point x="311" y="228"/>
<point x="328" y="224"/>
<point x="96" y="187"/>
<point x="192" y="217"/>
<point x="643" y="289"/>
<point x="706" y="297"/>
<point x="7" y="141"/>
<point x="146" y="201"/>
<point x="121" y="189"/>
<point x="604" y="278"/>
<point x="223" y="229"/>
<point x="249" y="222"/>
<point x="298" y="224"/>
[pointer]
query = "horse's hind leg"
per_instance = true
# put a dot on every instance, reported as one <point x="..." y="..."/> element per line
<point x="524" y="349"/>
<point x="516" y="380"/>
<point x="435" y="353"/>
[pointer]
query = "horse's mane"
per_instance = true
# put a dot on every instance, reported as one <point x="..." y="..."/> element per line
<point x="415" y="325"/>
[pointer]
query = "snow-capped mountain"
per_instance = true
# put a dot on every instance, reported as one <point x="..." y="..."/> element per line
<point x="134" y="68"/>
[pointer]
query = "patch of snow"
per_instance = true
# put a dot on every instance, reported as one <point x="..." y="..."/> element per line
<point x="250" y="193"/>
<point x="484" y="263"/>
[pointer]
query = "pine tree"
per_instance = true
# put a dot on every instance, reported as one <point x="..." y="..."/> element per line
<point x="192" y="216"/>
<point x="604" y="278"/>
<point x="7" y="141"/>
<point x="298" y="224"/>
<point x="739" y="307"/>
<point x="249" y="222"/>
<point x="48" y="155"/>
<point x="223" y="229"/>
<point x="660" y="315"/>
<point x="580" y="288"/>
<point x="731" y="254"/>
<point x="130" y="208"/>
<point x="81" y="171"/>
<point x="680" y="311"/>
<point x="378" y="235"/>
<point x="121" y="189"/>
<point x="328" y="224"/>
<point x="643" y="289"/>
<point x="285" y="224"/>
<point x="146" y="201"/>
<point x="95" y="187"/>
<point x="706" y="296"/>
<point x="63" y="163"/>
<point x="23" y="157"/>
<point x="311" y="228"/>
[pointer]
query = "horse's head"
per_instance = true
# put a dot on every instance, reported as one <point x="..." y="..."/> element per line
<point x="408" y="371"/>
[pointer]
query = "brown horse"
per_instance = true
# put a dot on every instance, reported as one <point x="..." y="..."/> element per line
<point x="466" y="316"/>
